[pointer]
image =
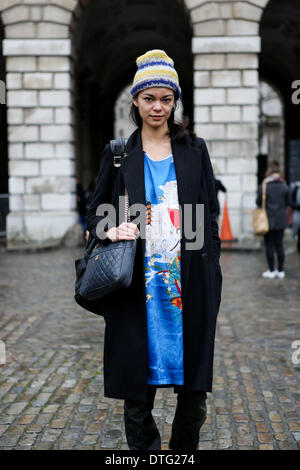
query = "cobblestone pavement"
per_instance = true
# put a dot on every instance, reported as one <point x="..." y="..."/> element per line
<point x="51" y="387"/>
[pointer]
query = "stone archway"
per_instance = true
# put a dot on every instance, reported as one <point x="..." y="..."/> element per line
<point x="279" y="65"/>
<point x="108" y="37"/>
<point x="225" y="50"/>
<point x="39" y="51"/>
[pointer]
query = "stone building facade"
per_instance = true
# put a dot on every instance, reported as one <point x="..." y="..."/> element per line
<point x="40" y="56"/>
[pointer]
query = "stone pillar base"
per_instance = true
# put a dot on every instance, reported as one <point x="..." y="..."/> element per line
<point x="38" y="228"/>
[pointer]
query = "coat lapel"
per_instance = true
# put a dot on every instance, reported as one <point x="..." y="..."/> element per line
<point x="187" y="165"/>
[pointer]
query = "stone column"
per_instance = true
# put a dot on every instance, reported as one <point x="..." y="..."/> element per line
<point x="41" y="139"/>
<point x="225" y="48"/>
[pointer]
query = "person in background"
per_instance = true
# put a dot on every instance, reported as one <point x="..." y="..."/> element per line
<point x="295" y="203"/>
<point x="277" y="199"/>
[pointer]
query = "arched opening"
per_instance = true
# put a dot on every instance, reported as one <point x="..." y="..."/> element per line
<point x="109" y="36"/>
<point x="279" y="65"/>
<point x="3" y="144"/>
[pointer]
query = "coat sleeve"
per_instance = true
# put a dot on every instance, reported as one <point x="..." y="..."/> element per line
<point x="210" y="180"/>
<point x="102" y="194"/>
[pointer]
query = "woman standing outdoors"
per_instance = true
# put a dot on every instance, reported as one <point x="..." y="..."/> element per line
<point x="277" y="199"/>
<point x="160" y="331"/>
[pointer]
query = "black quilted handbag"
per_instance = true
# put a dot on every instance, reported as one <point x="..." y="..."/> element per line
<point x="105" y="267"/>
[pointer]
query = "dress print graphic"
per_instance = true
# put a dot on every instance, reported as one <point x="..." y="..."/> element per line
<point x="163" y="273"/>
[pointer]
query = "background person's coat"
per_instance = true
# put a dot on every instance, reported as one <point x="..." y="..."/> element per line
<point x="277" y="199"/>
<point x="125" y="344"/>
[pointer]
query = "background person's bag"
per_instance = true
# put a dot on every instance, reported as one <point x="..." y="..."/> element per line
<point x="105" y="268"/>
<point x="260" y="222"/>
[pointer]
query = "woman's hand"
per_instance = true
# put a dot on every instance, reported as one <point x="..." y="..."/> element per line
<point x="125" y="231"/>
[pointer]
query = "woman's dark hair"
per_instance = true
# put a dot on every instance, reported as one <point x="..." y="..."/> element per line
<point x="177" y="130"/>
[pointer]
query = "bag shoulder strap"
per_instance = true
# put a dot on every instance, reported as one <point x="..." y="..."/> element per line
<point x="118" y="148"/>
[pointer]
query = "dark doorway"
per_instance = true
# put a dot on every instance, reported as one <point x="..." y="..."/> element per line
<point x="109" y="36"/>
<point x="279" y="64"/>
<point x="262" y="163"/>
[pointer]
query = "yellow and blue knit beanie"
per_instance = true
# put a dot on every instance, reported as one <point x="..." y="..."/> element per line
<point x="155" y="69"/>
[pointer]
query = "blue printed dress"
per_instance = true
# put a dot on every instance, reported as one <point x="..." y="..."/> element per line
<point x="162" y="273"/>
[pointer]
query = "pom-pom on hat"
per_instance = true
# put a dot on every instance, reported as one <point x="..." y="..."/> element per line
<point x="155" y="69"/>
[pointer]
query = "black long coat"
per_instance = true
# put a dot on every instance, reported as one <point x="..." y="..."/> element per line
<point x="125" y="345"/>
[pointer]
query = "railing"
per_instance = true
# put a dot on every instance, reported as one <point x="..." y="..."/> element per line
<point x="3" y="213"/>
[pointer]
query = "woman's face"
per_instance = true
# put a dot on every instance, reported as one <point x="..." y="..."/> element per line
<point x="155" y="105"/>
